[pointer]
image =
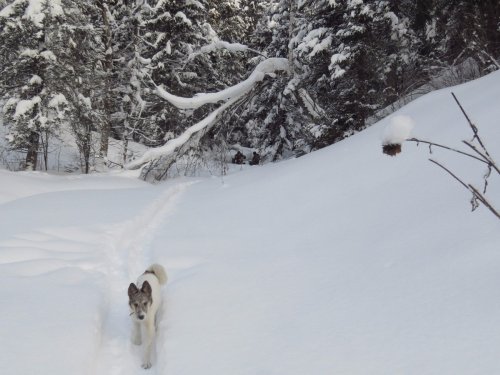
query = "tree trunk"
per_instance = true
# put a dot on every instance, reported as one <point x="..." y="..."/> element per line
<point x="107" y="104"/>
<point x="32" y="155"/>
<point x="291" y="27"/>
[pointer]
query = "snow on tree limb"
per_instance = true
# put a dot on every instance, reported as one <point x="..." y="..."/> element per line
<point x="34" y="10"/>
<point x="220" y="44"/>
<point x="174" y="144"/>
<point x="267" y="66"/>
<point x="231" y="94"/>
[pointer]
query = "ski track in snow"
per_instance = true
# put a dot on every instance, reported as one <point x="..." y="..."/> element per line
<point x="128" y="246"/>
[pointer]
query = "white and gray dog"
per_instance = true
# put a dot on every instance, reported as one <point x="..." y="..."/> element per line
<point x="144" y="302"/>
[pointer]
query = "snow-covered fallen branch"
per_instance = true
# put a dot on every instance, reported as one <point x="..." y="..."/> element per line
<point x="270" y="65"/>
<point x="175" y="144"/>
<point x="232" y="94"/>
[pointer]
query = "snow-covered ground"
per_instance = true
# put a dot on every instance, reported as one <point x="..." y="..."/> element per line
<point x="63" y="155"/>
<point x="344" y="261"/>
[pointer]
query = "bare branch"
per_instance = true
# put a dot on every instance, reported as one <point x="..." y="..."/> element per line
<point x="447" y="148"/>
<point x="486" y="156"/>
<point x="451" y="174"/>
<point x="484" y="201"/>
<point x="476" y="194"/>
<point x="473" y="127"/>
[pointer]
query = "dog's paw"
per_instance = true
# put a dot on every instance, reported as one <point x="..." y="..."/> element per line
<point x="146" y="365"/>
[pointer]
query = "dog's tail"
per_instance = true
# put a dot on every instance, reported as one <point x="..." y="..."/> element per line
<point x="159" y="272"/>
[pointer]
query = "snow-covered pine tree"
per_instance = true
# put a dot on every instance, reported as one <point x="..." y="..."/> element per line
<point x="277" y="118"/>
<point x="357" y="64"/>
<point x="406" y="68"/>
<point x="35" y="106"/>
<point x="50" y="50"/>
<point x="82" y="50"/>
<point x="153" y="41"/>
<point x="105" y="100"/>
<point x="125" y="73"/>
<point x="235" y="20"/>
<point x="470" y="29"/>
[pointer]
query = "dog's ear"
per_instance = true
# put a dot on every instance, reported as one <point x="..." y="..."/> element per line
<point x="132" y="289"/>
<point x="146" y="288"/>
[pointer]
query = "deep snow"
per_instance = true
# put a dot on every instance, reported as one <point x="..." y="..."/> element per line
<point x="344" y="261"/>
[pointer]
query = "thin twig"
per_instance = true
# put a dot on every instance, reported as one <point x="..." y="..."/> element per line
<point x="450" y="173"/>
<point x="475" y="192"/>
<point x="473" y="127"/>
<point x="486" y="156"/>
<point x="484" y="201"/>
<point x="448" y="148"/>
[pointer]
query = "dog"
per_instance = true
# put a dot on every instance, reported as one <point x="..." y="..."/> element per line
<point x="144" y="302"/>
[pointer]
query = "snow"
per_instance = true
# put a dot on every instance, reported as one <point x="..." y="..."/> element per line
<point x="398" y="130"/>
<point x="34" y="10"/>
<point x="48" y="55"/>
<point x="63" y="153"/>
<point x="183" y="18"/>
<point x="57" y="100"/>
<point x="219" y="45"/>
<point x="338" y="58"/>
<point x="344" y="261"/>
<point x="196" y="4"/>
<point x="11" y="102"/>
<point x="322" y="46"/>
<point x="8" y="10"/>
<point x="28" y="52"/>
<point x="313" y="108"/>
<point x="159" y="4"/>
<point x="24" y="106"/>
<point x="430" y="30"/>
<point x="267" y="66"/>
<point x="35" y="80"/>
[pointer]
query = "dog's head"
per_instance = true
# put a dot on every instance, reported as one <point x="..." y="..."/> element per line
<point x="139" y="300"/>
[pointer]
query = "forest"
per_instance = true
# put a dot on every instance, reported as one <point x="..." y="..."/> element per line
<point x="314" y="72"/>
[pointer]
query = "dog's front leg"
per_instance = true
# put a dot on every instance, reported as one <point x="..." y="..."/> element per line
<point x="136" y="333"/>
<point x="148" y="337"/>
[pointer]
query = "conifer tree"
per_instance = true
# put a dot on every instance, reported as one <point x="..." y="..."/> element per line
<point x="34" y="106"/>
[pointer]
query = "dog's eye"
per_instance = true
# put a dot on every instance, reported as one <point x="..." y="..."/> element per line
<point x="136" y="304"/>
<point x="145" y="304"/>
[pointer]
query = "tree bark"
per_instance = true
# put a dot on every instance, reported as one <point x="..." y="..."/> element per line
<point x="107" y="63"/>
<point x="32" y="155"/>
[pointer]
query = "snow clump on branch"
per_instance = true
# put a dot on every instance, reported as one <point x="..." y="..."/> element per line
<point x="398" y="130"/>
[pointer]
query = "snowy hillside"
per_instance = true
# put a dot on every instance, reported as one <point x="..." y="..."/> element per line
<point x="344" y="261"/>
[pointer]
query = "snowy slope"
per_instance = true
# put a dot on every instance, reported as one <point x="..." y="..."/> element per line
<point x="345" y="261"/>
